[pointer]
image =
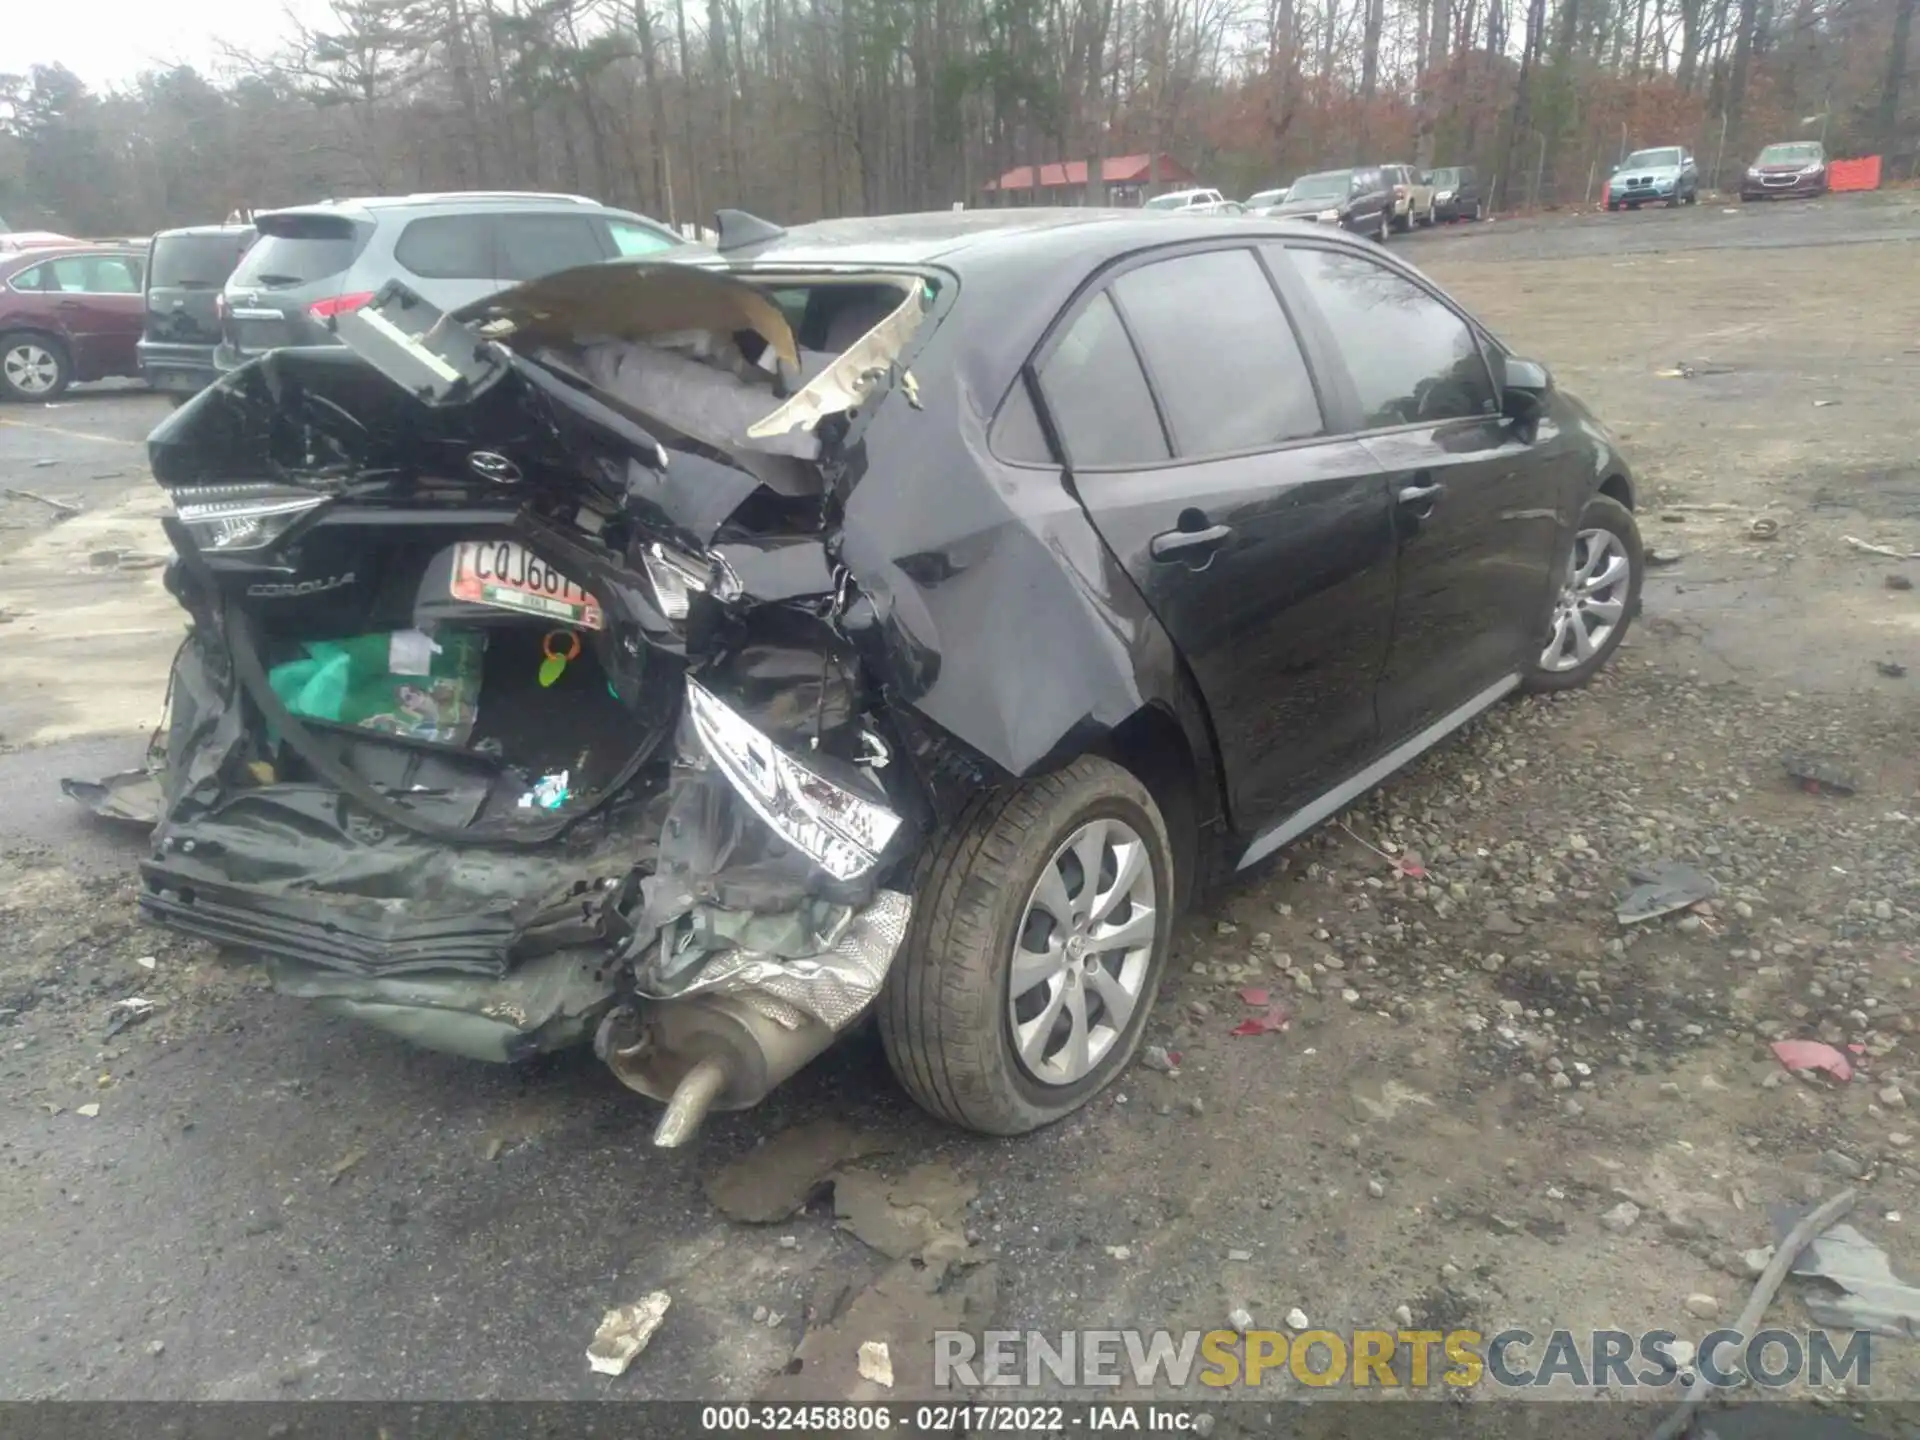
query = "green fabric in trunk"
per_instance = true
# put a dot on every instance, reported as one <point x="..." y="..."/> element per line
<point x="400" y="683"/>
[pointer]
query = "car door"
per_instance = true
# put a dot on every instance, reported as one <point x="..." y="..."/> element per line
<point x="1195" y="438"/>
<point x="101" y="308"/>
<point x="1476" y="499"/>
<point x="1374" y="201"/>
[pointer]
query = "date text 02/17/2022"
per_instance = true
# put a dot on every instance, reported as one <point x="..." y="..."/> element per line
<point x="950" y="1419"/>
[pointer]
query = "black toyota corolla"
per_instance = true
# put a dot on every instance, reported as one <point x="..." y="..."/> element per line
<point x="898" y="616"/>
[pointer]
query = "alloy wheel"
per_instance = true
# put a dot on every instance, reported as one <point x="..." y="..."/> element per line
<point x="30" y="368"/>
<point x="1083" y="952"/>
<point x="1592" y="603"/>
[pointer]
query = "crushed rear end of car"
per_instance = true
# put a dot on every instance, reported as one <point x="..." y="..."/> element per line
<point x="528" y="696"/>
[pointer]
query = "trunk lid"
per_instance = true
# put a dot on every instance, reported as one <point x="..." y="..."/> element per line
<point x="185" y="274"/>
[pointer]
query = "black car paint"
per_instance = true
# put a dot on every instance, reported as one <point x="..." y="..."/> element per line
<point x="1363" y="212"/>
<point x="1006" y="616"/>
<point x="1464" y="199"/>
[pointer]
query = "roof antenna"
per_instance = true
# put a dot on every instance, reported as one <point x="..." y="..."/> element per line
<point x="738" y="230"/>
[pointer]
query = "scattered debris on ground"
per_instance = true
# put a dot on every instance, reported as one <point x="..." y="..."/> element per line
<point x="1662" y="887"/>
<point x="777" y="1178"/>
<point x="1809" y="1055"/>
<point x="625" y="1332"/>
<point x="875" y="1364"/>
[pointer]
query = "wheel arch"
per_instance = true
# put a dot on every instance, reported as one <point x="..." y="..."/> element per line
<point x="1616" y="486"/>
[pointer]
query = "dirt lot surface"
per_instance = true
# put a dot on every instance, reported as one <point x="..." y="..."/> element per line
<point x="1482" y="1066"/>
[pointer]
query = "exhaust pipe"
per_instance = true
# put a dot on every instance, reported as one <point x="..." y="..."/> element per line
<point x="710" y="1052"/>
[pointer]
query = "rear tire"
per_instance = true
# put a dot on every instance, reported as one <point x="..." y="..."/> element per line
<point x="1606" y="527"/>
<point x="948" y="1013"/>
<point x="33" y="367"/>
<point x="1380" y="235"/>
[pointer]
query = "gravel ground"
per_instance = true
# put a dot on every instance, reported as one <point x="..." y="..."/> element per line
<point x="1493" y="1104"/>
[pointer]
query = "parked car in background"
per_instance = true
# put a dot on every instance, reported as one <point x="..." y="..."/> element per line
<point x="1357" y="200"/>
<point x="68" y="315"/>
<point x="1665" y="174"/>
<point x="1263" y="202"/>
<point x="1456" y="193"/>
<point x="1792" y="167"/>
<point x="1190" y="202"/>
<point x="186" y="270"/>
<point x="942" y="748"/>
<point x="314" y="262"/>
<point x="14" y="241"/>
<point x="1412" y="196"/>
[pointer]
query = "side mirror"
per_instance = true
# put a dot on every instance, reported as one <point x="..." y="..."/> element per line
<point x="1524" y="385"/>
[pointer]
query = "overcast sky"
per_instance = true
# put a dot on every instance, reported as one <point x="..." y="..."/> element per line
<point x="108" y="42"/>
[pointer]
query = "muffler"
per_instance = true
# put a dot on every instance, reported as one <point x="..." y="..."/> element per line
<point x="708" y="1052"/>
<point x="749" y="1020"/>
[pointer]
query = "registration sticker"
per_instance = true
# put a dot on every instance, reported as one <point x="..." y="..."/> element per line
<point x="511" y="577"/>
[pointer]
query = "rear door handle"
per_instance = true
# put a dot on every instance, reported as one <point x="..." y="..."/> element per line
<point x="1171" y="544"/>
<point x="1420" y="494"/>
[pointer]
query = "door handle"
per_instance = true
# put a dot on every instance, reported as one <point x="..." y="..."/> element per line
<point x="1420" y="494"/>
<point x="66" y="305"/>
<point x="1171" y="544"/>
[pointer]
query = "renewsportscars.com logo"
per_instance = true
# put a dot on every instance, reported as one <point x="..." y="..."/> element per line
<point x="1162" y="1360"/>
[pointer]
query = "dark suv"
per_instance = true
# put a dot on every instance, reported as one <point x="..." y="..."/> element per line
<point x="185" y="272"/>
<point x="313" y="262"/>
<point x="1359" y="200"/>
<point x="903" y="615"/>
<point x="1456" y="193"/>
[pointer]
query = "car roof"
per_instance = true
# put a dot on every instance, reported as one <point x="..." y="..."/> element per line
<point x="368" y="207"/>
<point x="1019" y="267"/>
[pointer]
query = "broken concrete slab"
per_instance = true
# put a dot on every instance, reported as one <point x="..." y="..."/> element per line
<point x="771" y="1182"/>
<point x="922" y="1212"/>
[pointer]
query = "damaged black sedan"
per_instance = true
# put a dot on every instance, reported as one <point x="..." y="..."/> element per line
<point x="893" y="616"/>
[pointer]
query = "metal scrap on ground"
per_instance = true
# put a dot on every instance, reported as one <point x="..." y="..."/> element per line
<point x="1662" y="888"/>
<point x="1867" y="1294"/>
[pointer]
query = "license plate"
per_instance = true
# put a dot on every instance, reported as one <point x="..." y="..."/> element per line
<point x="511" y="577"/>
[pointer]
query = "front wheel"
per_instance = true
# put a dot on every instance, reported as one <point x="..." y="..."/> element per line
<point x="1598" y="597"/>
<point x="1041" y="925"/>
<point x="33" y="367"/>
<point x="1380" y="235"/>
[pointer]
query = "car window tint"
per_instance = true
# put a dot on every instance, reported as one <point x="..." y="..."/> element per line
<point x="632" y="239"/>
<point x="1016" y="431"/>
<point x="1094" y="389"/>
<point x="34" y="277"/>
<point x="95" y="275"/>
<point x="536" y="245"/>
<point x="447" y="247"/>
<point x="1224" y="359"/>
<point x="1411" y="358"/>
<point x="195" y="262"/>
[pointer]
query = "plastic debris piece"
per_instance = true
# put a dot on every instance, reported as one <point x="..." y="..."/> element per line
<point x="345" y="1163"/>
<point x="132" y="795"/>
<point x="89" y="1110"/>
<point x="1813" y="1055"/>
<point x="1892" y="669"/>
<point x="1662" y="888"/>
<point x="1256" y="997"/>
<point x="1869" y="1296"/>
<point x="1274" y="1017"/>
<point x="1764" y="527"/>
<point x="875" y="1364"/>
<point x="125" y="1014"/>
<point x="148" y="962"/>
<point x="625" y="1332"/>
<point x="1886" y="550"/>
<point x="549" y="792"/>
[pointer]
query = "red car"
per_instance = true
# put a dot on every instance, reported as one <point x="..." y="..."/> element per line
<point x="68" y="315"/>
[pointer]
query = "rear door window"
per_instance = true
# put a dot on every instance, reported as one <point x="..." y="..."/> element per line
<point x="1097" y="394"/>
<point x="536" y="245"/>
<point x="195" y="262"/>
<point x="1223" y="356"/>
<point x="632" y="239"/>
<point x="447" y="247"/>
<point x="32" y="279"/>
<point x="96" y="275"/>
<point x="1411" y="358"/>
<point x="306" y="250"/>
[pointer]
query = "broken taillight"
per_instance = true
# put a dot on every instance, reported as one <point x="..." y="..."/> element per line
<point x="338" y="304"/>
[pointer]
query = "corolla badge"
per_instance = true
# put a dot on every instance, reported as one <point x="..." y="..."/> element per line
<point x="290" y="589"/>
<point x="491" y="465"/>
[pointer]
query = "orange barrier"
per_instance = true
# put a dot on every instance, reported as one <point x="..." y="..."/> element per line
<point x="1861" y="174"/>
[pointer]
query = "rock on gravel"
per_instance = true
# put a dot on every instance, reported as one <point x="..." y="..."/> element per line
<point x="1621" y="1218"/>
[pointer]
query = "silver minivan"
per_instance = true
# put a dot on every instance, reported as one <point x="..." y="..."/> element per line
<point x="311" y="262"/>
